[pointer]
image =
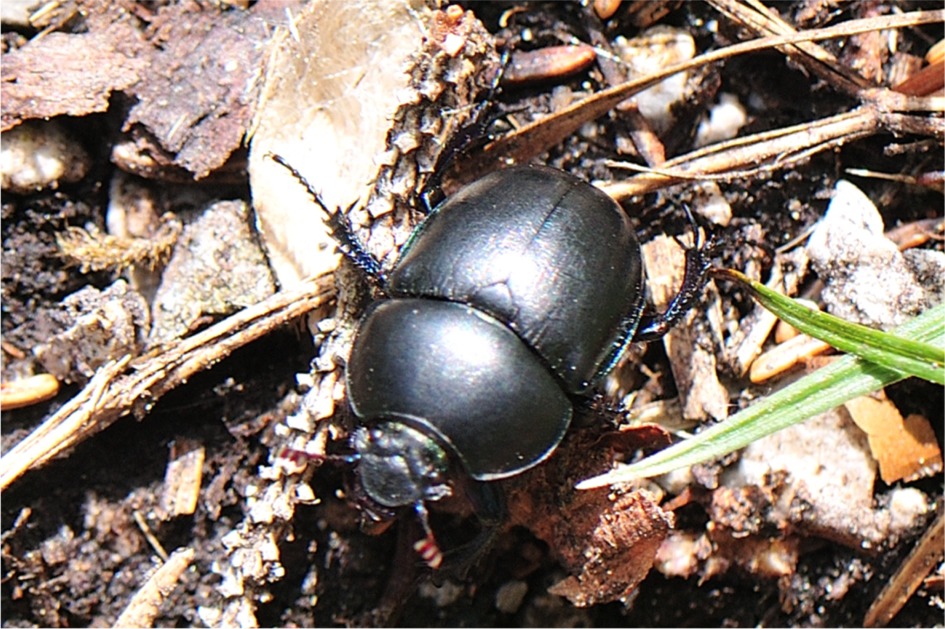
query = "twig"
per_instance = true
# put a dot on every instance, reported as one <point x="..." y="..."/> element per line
<point x="145" y="604"/>
<point x="925" y="556"/>
<point x="771" y="150"/>
<point x="764" y="21"/>
<point x="536" y="137"/>
<point x="149" y="535"/>
<point x="112" y="393"/>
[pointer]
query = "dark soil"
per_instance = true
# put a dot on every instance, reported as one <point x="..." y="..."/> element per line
<point x="73" y="553"/>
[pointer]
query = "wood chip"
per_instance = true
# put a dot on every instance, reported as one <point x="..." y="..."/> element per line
<point x="197" y="96"/>
<point x="88" y="68"/>
<point x="145" y="604"/>
<point x="906" y="449"/>
<point x="606" y="540"/>
<point x="182" y="479"/>
<point x="617" y="553"/>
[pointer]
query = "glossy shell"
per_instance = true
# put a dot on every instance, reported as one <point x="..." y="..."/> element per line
<point x="547" y="254"/>
<point x="463" y="378"/>
<point x="516" y="292"/>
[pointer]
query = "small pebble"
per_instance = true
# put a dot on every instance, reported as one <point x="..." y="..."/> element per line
<point x="509" y="597"/>
<point x="38" y="156"/>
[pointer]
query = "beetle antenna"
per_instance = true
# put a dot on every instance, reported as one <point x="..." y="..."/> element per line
<point x="427" y="547"/>
<point x="301" y="178"/>
<point x="341" y="230"/>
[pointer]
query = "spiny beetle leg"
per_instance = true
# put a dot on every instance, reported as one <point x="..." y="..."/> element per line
<point x="698" y="263"/>
<point x="461" y="141"/>
<point x="340" y="227"/>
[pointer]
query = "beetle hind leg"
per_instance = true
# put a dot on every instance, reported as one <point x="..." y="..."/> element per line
<point x="698" y="264"/>
<point x="470" y="135"/>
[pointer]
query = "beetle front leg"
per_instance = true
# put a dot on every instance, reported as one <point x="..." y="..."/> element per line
<point x="488" y="502"/>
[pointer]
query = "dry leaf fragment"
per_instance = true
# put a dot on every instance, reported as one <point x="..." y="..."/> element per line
<point x="362" y="107"/>
<point x="182" y="479"/>
<point x="904" y="448"/>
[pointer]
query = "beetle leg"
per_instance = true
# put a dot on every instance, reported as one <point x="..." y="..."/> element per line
<point x="698" y="263"/>
<point x="488" y="502"/>
<point x="341" y="230"/>
<point x="427" y="547"/>
<point x="489" y="505"/>
<point x="461" y="141"/>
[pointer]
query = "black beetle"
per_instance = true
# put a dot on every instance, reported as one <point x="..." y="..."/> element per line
<point x="514" y="295"/>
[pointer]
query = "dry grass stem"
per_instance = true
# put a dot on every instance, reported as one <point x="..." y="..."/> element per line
<point x="534" y="138"/>
<point x="113" y="392"/>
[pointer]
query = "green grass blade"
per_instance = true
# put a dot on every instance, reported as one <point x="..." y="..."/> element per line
<point x="882" y="348"/>
<point x="826" y="388"/>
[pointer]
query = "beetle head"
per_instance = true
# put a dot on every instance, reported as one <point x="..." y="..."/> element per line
<point x="399" y="465"/>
